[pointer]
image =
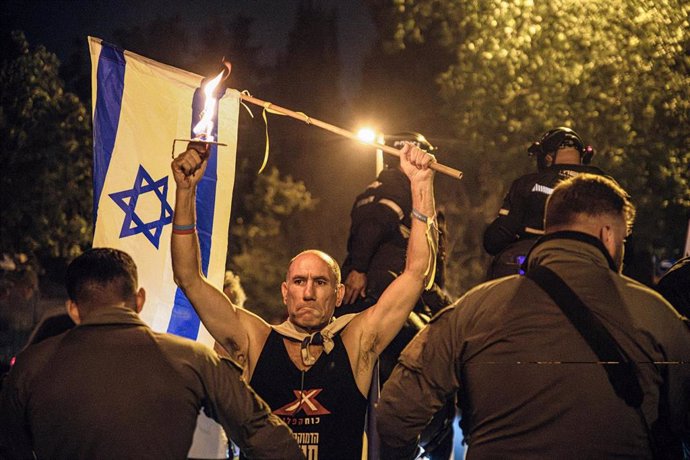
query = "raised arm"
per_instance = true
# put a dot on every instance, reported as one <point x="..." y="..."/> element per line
<point x="240" y="332"/>
<point x="376" y="327"/>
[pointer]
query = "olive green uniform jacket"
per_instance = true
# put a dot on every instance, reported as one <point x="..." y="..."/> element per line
<point x="112" y="388"/>
<point x="528" y="385"/>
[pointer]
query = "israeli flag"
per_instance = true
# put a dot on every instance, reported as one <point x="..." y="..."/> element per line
<point x="139" y="107"/>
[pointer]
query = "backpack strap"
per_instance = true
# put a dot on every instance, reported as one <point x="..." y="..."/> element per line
<point x="620" y="370"/>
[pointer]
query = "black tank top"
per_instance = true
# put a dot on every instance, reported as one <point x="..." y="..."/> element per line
<point x="329" y="422"/>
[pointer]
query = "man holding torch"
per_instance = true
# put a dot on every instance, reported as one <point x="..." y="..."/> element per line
<point x="312" y="370"/>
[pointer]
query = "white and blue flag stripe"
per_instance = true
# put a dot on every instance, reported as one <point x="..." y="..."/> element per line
<point x="139" y="107"/>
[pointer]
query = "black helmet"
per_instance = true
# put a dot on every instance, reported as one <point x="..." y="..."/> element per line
<point x="558" y="138"/>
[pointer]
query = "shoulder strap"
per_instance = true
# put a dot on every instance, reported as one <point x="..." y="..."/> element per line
<point x="620" y="370"/>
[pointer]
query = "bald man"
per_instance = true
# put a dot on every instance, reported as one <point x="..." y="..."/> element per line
<point x="313" y="371"/>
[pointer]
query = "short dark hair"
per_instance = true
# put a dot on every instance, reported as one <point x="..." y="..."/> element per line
<point x="101" y="269"/>
<point x="588" y="194"/>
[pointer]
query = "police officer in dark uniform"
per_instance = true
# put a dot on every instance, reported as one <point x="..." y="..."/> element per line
<point x="561" y="154"/>
<point x="376" y="251"/>
<point x="378" y="237"/>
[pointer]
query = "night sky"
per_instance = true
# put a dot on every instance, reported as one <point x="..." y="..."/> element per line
<point x="63" y="25"/>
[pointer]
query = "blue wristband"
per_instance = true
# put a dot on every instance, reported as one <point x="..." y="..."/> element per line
<point x="184" y="227"/>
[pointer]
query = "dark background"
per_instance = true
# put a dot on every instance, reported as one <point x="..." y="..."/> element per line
<point x="459" y="84"/>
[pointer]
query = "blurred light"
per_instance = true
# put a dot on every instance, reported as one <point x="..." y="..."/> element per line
<point x="373" y="137"/>
<point x="367" y="135"/>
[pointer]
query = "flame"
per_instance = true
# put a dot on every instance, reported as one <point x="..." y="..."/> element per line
<point x="204" y="128"/>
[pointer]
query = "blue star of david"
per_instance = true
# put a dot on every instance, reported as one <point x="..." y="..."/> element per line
<point x="127" y="201"/>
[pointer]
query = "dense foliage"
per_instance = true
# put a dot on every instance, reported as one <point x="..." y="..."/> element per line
<point x="617" y="72"/>
<point x="45" y="140"/>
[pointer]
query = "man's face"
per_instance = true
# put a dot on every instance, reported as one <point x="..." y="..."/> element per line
<point x="310" y="292"/>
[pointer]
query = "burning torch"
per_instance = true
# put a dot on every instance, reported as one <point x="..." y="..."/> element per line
<point x="203" y="129"/>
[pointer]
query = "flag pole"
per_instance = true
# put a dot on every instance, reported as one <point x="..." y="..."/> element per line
<point x="452" y="172"/>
